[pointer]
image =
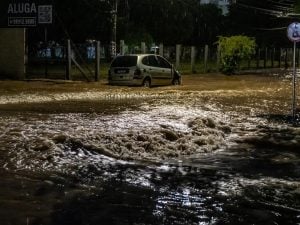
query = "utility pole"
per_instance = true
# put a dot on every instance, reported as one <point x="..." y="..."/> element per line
<point x="114" y="14"/>
<point x="113" y="4"/>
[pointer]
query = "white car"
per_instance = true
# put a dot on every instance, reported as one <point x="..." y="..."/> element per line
<point x="143" y="70"/>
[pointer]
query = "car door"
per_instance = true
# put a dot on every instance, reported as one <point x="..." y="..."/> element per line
<point x="165" y="70"/>
<point x="152" y="68"/>
<point x="160" y="70"/>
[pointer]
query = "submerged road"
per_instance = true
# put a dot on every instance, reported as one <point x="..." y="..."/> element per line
<point x="216" y="150"/>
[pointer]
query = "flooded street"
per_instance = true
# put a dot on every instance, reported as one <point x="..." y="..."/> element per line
<point x="216" y="150"/>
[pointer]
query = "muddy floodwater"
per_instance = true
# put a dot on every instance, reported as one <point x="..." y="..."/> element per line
<point x="215" y="150"/>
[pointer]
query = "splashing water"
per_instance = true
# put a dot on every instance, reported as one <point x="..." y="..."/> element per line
<point x="179" y="158"/>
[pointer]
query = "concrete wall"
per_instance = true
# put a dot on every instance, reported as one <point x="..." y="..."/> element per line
<point x="12" y="53"/>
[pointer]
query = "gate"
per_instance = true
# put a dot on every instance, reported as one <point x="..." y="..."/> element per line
<point x="68" y="61"/>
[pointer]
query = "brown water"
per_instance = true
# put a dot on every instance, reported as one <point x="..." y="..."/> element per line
<point x="217" y="150"/>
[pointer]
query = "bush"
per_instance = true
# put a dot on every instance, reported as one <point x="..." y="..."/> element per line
<point x="233" y="50"/>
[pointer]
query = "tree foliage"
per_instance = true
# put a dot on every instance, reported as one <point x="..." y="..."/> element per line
<point x="165" y="21"/>
<point x="210" y="24"/>
<point x="233" y="50"/>
<point x="168" y="21"/>
<point x="297" y="7"/>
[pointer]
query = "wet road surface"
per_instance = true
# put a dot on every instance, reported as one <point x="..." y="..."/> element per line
<point x="213" y="151"/>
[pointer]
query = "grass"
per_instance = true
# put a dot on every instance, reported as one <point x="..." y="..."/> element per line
<point x="57" y="71"/>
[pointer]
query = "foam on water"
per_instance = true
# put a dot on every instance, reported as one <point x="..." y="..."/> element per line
<point x="198" y="157"/>
<point x="153" y="132"/>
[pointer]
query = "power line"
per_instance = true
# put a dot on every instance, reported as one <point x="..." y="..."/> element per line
<point x="273" y="8"/>
<point x="271" y="29"/>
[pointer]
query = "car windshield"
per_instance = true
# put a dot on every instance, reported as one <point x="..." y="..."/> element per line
<point x="124" y="61"/>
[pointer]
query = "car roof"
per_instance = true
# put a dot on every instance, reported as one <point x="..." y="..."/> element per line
<point x="136" y="55"/>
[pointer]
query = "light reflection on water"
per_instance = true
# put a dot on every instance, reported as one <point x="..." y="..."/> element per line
<point x="194" y="163"/>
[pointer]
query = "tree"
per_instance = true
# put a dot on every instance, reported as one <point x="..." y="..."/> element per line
<point x="81" y="20"/>
<point x="209" y="24"/>
<point x="167" y="21"/>
<point x="233" y="50"/>
<point x="297" y="7"/>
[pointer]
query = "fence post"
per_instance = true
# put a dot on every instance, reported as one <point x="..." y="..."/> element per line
<point x="279" y="59"/>
<point x="161" y="49"/>
<point x="69" y="60"/>
<point x="46" y="46"/>
<point x="218" y="58"/>
<point x="265" y="58"/>
<point x="193" y="56"/>
<point x="286" y="59"/>
<point x="206" y="58"/>
<point x="143" y="47"/>
<point x="258" y="59"/>
<point x="122" y="47"/>
<point x="178" y="53"/>
<point x="97" y="69"/>
<point x="298" y="57"/>
<point x="272" y="57"/>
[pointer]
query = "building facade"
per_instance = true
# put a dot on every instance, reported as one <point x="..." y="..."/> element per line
<point x="12" y="53"/>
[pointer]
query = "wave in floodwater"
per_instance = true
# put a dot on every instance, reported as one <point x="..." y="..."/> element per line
<point x="173" y="162"/>
<point x="151" y="133"/>
<point x="154" y="134"/>
<point x="111" y="95"/>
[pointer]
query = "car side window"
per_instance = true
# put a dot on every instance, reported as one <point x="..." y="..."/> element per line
<point x="153" y="61"/>
<point x="163" y="63"/>
<point x="145" y="60"/>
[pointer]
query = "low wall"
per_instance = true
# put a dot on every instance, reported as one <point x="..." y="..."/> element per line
<point x="12" y="53"/>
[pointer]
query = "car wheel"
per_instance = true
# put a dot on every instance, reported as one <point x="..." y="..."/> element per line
<point x="147" y="83"/>
<point x="176" y="81"/>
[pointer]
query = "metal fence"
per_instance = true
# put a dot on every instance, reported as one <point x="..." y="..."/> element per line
<point x="50" y="61"/>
